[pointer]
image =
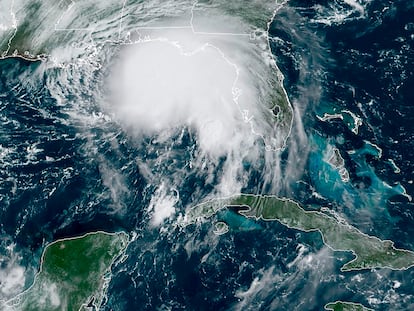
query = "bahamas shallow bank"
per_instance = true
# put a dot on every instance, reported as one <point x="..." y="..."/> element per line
<point x="132" y="114"/>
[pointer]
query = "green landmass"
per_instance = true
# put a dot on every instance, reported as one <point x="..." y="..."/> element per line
<point x="346" y="306"/>
<point x="72" y="273"/>
<point x="42" y="25"/>
<point x="370" y="252"/>
<point x="65" y="31"/>
<point x="221" y="228"/>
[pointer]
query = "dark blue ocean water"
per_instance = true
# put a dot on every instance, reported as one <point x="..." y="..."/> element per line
<point x="54" y="176"/>
<point x="363" y="63"/>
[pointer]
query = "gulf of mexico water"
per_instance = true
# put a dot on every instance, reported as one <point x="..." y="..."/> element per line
<point x="348" y="58"/>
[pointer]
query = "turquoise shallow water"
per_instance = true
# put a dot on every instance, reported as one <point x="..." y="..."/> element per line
<point x="52" y="173"/>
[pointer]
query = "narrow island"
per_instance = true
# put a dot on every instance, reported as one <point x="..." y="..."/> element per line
<point x="338" y="163"/>
<point x="73" y="273"/>
<point x="370" y="252"/>
<point x="346" y="306"/>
